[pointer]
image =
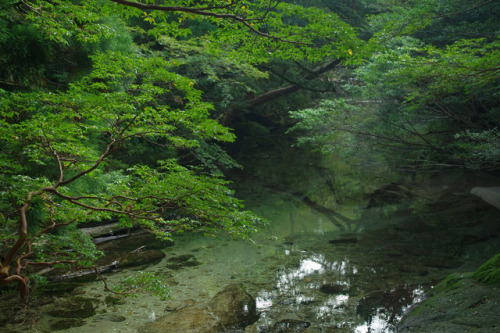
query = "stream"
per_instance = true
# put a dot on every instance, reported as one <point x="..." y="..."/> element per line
<point x="350" y="248"/>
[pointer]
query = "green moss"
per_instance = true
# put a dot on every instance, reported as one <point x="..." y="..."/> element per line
<point x="489" y="272"/>
<point x="452" y="281"/>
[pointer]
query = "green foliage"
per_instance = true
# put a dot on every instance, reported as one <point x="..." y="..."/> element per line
<point x="224" y="78"/>
<point x="437" y="104"/>
<point x="489" y="272"/>
<point x="56" y="147"/>
<point x="325" y="126"/>
<point x="144" y="282"/>
<point x="23" y="52"/>
<point x="439" y="22"/>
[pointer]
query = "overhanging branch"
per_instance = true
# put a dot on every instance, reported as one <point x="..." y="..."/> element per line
<point x="210" y="12"/>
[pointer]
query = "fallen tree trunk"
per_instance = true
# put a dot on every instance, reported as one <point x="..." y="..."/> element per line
<point x="85" y="273"/>
<point x="283" y="91"/>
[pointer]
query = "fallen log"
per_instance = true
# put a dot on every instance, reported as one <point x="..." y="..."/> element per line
<point x="85" y="273"/>
<point x="108" y="238"/>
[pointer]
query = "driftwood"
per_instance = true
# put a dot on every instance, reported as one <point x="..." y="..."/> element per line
<point x="79" y="274"/>
<point x="104" y="230"/>
<point x="108" y="238"/>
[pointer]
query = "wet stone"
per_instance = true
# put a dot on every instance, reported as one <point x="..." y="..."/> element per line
<point x="78" y="307"/>
<point x="346" y="240"/>
<point x="333" y="289"/>
<point x="234" y="307"/>
<point x="231" y="309"/>
<point x="182" y="261"/>
<point x="290" y="326"/>
<point x="66" y="324"/>
<point x="114" y="300"/>
<point x="112" y="317"/>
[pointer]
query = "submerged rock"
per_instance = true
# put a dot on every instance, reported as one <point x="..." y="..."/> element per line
<point x="333" y="289"/>
<point x="290" y="326"/>
<point x="232" y="308"/>
<point x="344" y="240"/>
<point x="113" y="317"/>
<point x="179" y="262"/>
<point x="185" y="320"/>
<point x="489" y="194"/>
<point x="78" y="307"/>
<point x="66" y="324"/>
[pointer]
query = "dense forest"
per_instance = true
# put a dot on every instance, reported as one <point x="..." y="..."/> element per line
<point x="117" y="110"/>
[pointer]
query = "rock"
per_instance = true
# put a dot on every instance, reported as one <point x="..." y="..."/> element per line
<point x="344" y="240"/>
<point x="234" y="307"/>
<point x="457" y="304"/>
<point x="186" y="320"/>
<point x="489" y="194"/>
<point x="489" y="272"/>
<point x="290" y="326"/>
<point x="231" y="308"/>
<point x="333" y="289"/>
<point x="114" y="300"/>
<point x="66" y="324"/>
<point x="60" y="288"/>
<point x="182" y="261"/>
<point x="113" y="317"/>
<point x="78" y="307"/>
<point x="389" y="301"/>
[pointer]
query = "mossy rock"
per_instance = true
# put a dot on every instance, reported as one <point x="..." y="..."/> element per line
<point x="182" y="261"/>
<point x="114" y="300"/>
<point x="489" y="272"/>
<point x="147" y="257"/>
<point x="78" y="307"/>
<point x="333" y="289"/>
<point x="452" y="281"/>
<point x="66" y="324"/>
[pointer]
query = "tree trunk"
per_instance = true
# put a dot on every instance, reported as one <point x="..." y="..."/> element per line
<point x="276" y="93"/>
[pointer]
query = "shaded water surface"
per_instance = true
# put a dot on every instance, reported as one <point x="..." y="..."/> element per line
<point x="326" y="263"/>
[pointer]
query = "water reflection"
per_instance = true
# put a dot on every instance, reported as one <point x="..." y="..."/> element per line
<point x="334" y="292"/>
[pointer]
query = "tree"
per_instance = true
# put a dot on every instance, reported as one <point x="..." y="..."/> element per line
<point x="62" y="155"/>
<point x="437" y="103"/>
<point x="71" y="137"/>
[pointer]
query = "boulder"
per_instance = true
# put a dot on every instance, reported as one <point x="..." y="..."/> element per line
<point x="182" y="261"/>
<point x="234" y="307"/>
<point x="231" y="308"/>
<point x="489" y="194"/>
<point x="65" y="324"/>
<point x="333" y="289"/>
<point x="77" y="307"/>
<point x="191" y="319"/>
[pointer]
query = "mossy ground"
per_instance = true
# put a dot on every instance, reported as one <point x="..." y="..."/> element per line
<point x="463" y="302"/>
<point x="489" y="273"/>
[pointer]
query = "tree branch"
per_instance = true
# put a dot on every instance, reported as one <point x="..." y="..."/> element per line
<point x="205" y="11"/>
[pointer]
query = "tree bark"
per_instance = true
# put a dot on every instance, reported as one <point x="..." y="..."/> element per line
<point x="279" y="92"/>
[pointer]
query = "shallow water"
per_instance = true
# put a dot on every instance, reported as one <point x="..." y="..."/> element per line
<point x="325" y="263"/>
